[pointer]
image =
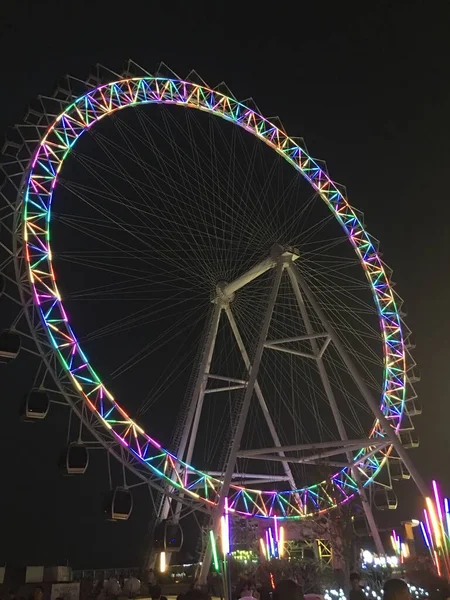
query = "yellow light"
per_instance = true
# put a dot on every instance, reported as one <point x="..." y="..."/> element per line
<point x="162" y="562"/>
<point x="434" y="522"/>
<point x="263" y="547"/>
<point x="405" y="550"/>
<point x="281" y="542"/>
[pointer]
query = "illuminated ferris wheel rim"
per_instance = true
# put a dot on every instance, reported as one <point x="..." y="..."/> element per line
<point x="40" y="181"/>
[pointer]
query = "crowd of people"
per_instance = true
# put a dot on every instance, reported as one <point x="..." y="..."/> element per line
<point x="245" y="589"/>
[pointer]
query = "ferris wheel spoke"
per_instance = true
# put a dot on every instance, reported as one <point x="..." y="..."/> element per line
<point x="124" y="227"/>
<point x="202" y="157"/>
<point x="177" y="366"/>
<point x="155" y="230"/>
<point x="164" y="174"/>
<point x="164" y="283"/>
<point x="274" y="376"/>
<point x="150" y="348"/>
<point x="336" y="383"/>
<point x="146" y="316"/>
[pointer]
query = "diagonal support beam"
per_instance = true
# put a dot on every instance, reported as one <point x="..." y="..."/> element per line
<point x="243" y="413"/>
<point x="295" y="282"/>
<point x="364" y="390"/>
<point x="277" y="253"/>
<point x="316" y="456"/>
<point x="260" y="396"/>
<point x="341" y="444"/>
<point x="189" y="435"/>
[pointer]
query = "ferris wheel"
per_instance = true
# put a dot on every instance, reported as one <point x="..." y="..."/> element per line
<point x="204" y="299"/>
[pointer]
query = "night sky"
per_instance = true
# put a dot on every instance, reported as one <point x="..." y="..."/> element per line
<point x="366" y="85"/>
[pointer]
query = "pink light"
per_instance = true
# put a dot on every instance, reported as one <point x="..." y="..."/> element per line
<point x="227" y="521"/>
<point x="225" y="537"/>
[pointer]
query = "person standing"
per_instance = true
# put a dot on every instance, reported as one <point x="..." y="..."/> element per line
<point x="112" y="588"/>
<point x="396" y="589"/>
<point x="356" y="592"/>
<point x="132" y="586"/>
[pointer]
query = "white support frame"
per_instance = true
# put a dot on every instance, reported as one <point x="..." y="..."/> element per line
<point x="280" y="260"/>
<point x="318" y="354"/>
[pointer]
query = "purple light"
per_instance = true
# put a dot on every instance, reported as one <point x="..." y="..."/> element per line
<point x="227" y="523"/>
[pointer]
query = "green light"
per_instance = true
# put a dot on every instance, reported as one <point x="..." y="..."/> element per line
<point x="214" y="550"/>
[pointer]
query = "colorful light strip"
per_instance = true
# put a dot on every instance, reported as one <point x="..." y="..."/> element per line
<point x="272" y="543"/>
<point x="425" y="536"/>
<point x="434" y="523"/>
<point x="162" y="562"/>
<point x="263" y="548"/>
<point x="225" y="530"/>
<point x="268" y="545"/>
<point x="447" y="516"/>
<point x="281" y="543"/>
<point x="147" y="453"/>
<point x="214" y="550"/>
<point x="435" y="531"/>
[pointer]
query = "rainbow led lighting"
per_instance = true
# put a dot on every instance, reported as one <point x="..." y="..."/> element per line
<point x="40" y="182"/>
<point x="436" y="531"/>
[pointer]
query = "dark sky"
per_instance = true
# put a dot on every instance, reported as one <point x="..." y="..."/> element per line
<point x="366" y="85"/>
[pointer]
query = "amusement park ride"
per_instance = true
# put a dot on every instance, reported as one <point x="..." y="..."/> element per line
<point x="303" y="342"/>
